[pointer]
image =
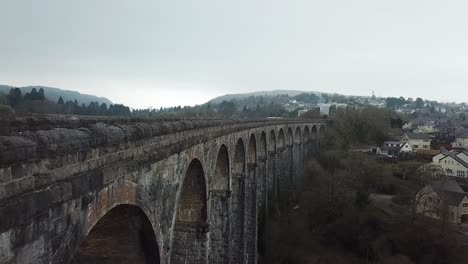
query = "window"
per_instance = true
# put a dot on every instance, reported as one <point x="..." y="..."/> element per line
<point x="415" y="146"/>
<point x="465" y="204"/>
<point x="461" y="174"/>
<point x="430" y="199"/>
<point x="425" y="146"/>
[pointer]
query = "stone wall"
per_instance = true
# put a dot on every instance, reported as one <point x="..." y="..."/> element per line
<point x="56" y="185"/>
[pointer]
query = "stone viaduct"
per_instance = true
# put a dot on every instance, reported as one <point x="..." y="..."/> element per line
<point x="180" y="191"/>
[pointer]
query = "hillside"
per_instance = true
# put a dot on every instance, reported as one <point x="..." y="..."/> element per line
<point x="239" y="96"/>
<point x="53" y="94"/>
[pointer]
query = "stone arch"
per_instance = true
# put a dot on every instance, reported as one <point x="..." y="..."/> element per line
<point x="221" y="174"/>
<point x="123" y="235"/>
<point x="192" y="201"/>
<point x="189" y="237"/>
<point x="272" y="141"/>
<point x="252" y="150"/>
<point x="314" y="133"/>
<point x="289" y="137"/>
<point x="239" y="157"/>
<point x="262" y="145"/>
<point x="321" y="132"/>
<point x="306" y="134"/>
<point x="298" y="135"/>
<point x="281" y="140"/>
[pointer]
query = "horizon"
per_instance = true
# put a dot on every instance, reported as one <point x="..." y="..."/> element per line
<point x="156" y="53"/>
<point x="228" y="94"/>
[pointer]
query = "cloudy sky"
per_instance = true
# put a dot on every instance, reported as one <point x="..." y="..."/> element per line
<point x="183" y="52"/>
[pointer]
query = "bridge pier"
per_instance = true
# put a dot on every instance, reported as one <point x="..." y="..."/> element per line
<point x="189" y="243"/>
<point x="297" y="169"/>
<point x="237" y="238"/>
<point x="271" y="177"/>
<point x="219" y="227"/>
<point x="261" y="209"/>
<point x="289" y="194"/>
<point x="251" y="213"/>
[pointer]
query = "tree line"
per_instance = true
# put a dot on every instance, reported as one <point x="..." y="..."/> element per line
<point x="36" y="101"/>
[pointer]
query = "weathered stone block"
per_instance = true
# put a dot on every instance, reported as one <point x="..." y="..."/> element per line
<point x="5" y="174"/>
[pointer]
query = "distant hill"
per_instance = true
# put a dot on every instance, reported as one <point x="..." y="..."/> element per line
<point x="53" y="94"/>
<point x="239" y="96"/>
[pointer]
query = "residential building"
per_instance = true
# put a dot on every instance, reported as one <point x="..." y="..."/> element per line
<point x="405" y="147"/>
<point x="417" y="141"/>
<point x="444" y="196"/>
<point x="427" y="127"/>
<point x="461" y="140"/>
<point x="453" y="163"/>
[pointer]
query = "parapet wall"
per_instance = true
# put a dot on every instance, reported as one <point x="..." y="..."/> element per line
<point x="37" y="159"/>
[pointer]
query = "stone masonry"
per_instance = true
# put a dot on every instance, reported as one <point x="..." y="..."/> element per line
<point x="166" y="184"/>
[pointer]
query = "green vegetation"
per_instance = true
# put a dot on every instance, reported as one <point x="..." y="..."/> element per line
<point x="335" y="221"/>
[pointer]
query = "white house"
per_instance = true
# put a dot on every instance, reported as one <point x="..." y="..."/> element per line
<point x="454" y="163"/>
<point x="405" y="148"/>
<point x="417" y="141"/>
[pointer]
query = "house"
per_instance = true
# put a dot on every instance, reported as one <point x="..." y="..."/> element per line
<point x="417" y="141"/>
<point x="405" y="148"/>
<point x="427" y="127"/>
<point x="461" y="140"/>
<point x="391" y="143"/>
<point x="443" y="196"/>
<point x="453" y="163"/>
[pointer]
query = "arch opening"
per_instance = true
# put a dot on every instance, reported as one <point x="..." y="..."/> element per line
<point x="306" y="134"/>
<point x="314" y="133"/>
<point x="192" y="202"/>
<point x="321" y="132"/>
<point x="252" y="150"/>
<point x="263" y="145"/>
<point x="191" y="228"/>
<point x="221" y="176"/>
<point x="297" y="135"/>
<point x="123" y="235"/>
<point x="272" y="141"/>
<point x="239" y="157"/>
<point x="281" y="141"/>
<point x="290" y="138"/>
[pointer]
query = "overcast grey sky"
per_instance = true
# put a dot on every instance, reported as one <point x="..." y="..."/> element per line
<point x="152" y="53"/>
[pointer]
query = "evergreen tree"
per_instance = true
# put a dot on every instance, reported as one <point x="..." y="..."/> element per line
<point x="15" y="96"/>
<point x="41" y="94"/>
<point x="60" y="100"/>
<point x="34" y="95"/>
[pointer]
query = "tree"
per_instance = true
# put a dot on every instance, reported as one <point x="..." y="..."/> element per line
<point x="227" y="108"/>
<point x="6" y="111"/>
<point x="34" y="95"/>
<point x="103" y="109"/>
<point x="41" y="95"/>
<point x="60" y="101"/>
<point x="419" y="103"/>
<point x="15" y="96"/>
